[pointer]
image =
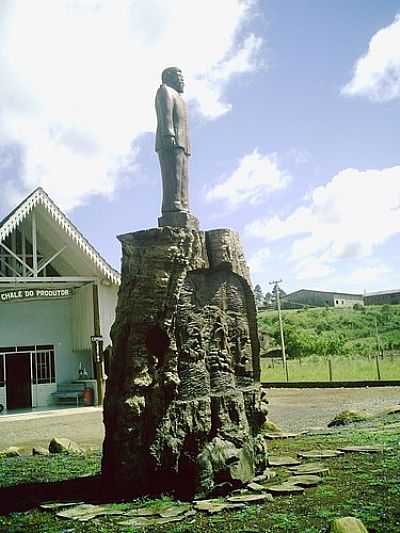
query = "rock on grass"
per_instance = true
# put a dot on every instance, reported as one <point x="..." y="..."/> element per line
<point x="62" y="445"/>
<point x="270" y="427"/>
<point x="349" y="417"/>
<point x="38" y="450"/>
<point x="348" y="524"/>
<point x="12" y="451"/>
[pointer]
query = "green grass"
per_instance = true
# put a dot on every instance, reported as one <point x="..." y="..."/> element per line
<point x="361" y="329"/>
<point x="362" y="485"/>
<point x="51" y="468"/>
<point x="343" y="369"/>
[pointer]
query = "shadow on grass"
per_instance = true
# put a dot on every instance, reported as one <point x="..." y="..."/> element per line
<point x="93" y="489"/>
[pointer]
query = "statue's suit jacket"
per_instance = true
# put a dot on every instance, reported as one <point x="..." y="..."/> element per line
<point x="171" y="119"/>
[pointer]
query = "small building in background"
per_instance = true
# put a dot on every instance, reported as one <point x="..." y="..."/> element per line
<point x="391" y="297"/>
<point x="311" y="298"/>
<point x="57" y="304"/>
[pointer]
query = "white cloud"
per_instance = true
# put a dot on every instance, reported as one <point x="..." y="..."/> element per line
<point x="347" y="218"/>
<point x="312" y="268"/>
<point x="369" y="274"/>
<point x="255" y="176"/>
<point x="258" y="260"/>
<point x="377" y="73"/>
<point x="78" y="79"/>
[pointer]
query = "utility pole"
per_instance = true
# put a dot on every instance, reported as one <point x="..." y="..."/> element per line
<point x="378" y="340"/>
<point x="275" y="283"/>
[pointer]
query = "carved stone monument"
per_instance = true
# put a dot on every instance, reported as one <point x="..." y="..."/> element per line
<point x="183" y="408"/>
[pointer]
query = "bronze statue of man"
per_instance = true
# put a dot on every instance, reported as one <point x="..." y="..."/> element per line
<point x="172" y="143"/>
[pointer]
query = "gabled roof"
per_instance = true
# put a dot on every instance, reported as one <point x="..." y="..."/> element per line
<point x="382" y="293"/>
<point x="40" y="197"/>
<point x="313" y="291"/>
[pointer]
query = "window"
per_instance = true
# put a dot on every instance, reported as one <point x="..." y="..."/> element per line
<point x="42" y="357"/>
<point x="43" y="365"/>
<point x="2" y="370"/>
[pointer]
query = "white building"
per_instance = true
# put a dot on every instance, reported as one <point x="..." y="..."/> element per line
<point x="56" y="294"/>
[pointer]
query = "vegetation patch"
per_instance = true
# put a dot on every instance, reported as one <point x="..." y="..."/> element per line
<point x="331" y="344"/>
<point x="349" y="417"/>
<point x="363" y="485"/>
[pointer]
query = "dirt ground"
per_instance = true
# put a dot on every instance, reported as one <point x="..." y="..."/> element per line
<point x="291" y="409"/>
<point x="300" y="409"/>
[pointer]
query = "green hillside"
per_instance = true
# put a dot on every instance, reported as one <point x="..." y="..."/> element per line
<point x="333" y="331"/>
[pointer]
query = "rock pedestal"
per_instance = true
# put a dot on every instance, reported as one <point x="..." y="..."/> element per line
<point x="183" y="406"/>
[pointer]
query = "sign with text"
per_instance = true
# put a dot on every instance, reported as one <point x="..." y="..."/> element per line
<point x="14" y="295"/>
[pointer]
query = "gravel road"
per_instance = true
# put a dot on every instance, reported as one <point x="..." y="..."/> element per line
<point x="291" y="409"/>
<point x="299" y="409"/>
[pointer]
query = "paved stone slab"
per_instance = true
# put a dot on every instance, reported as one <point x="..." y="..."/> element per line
<point x="161" y="509"/>
<point x="216" y="506"/>
<point x="283" y="460"/>
<point x="87" y="511"/>
<point x="364" y="449"/>
<point x="48" y="506"/>
<point x="250" y="498"/>
<point x="319" y="454"/>
<point x="272" y="436"/>
<point x="141" y="521"/>
<point x="285" y="488"/>
<point x="304" y="480"/>
<point x="175" y="510"/>
<point x="255" y="487"/>
<point x="265" y="476"/>
<point x="311" y="468"/>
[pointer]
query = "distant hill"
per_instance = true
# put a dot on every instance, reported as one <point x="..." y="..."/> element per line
<point x="363" y="331"/>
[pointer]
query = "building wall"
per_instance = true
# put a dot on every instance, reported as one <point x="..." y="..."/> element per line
<point x="321" y="299"/>
<point x="315" y="299"/>
<point x="83" y="323"/>
<point x="383" y="299"/>
<point x="44" y="322"/>
<point x="3" y="396"/>
<point x="342" y="300"/>
<point x="108" y="297"/>
<point x="41" y="394"/>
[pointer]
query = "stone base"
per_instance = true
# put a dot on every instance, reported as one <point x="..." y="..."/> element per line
<point x="180" y="219"/>
<point x="184" y="409"/>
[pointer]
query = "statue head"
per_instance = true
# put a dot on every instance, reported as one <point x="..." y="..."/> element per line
<point x="173" y="77"/>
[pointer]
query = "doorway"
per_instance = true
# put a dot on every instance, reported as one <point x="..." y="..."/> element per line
<point x="19" y="381"/>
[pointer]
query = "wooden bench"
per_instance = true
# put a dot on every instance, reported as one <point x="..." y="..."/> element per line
<point x="67" y="394"/>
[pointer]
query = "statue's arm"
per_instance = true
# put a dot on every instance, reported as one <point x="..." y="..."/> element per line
<point x="165" y="106"/>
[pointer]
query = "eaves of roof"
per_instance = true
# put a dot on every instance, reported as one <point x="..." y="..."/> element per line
<point x="40" y="197"/>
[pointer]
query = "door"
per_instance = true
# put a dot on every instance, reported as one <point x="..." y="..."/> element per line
<point x="18" y="380"/>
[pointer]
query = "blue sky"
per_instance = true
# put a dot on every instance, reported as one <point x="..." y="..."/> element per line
<point x="294" y="115"/>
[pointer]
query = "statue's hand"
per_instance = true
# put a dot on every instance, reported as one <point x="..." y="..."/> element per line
<point x="169" y="142"/>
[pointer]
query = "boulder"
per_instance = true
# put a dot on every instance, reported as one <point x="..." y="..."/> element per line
<point x="349" y="417"/>
<point x="270" y="427"/>
<point x="38" y="450"/>
<point x="348" y="524"/>
<point x="12" y="451"/>
<point x="63" y="445"/>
